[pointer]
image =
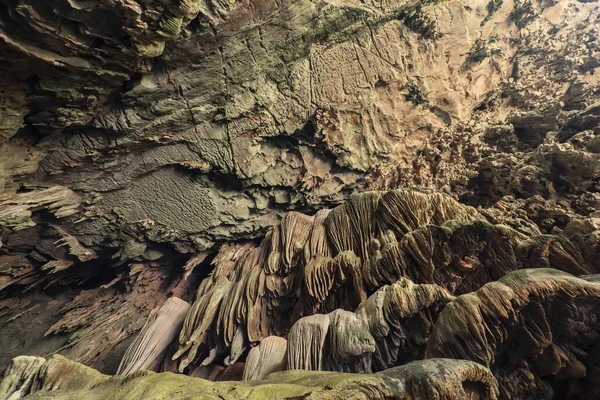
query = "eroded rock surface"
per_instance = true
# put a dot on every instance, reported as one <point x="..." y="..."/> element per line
<point x="537" y="330"/>
<point x="427" y="379"/>
<point x="306" y="265"/>
<point x="245" y="157"/>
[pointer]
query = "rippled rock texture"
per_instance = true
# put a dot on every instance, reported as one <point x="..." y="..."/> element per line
<point x="303" y="299"/>
<point x="244" y="159"/>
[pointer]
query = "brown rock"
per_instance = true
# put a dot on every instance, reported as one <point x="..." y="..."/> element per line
<point x="534" y="329"/>
<point x="149" y="348"/>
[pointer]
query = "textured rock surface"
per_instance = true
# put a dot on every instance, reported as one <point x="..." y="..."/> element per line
<point x="538" y="331"/>
<point x="427" y="379"/>
<point x="149" y="348"/>
<point x="269" y="356"/>
<point x="307" y="266"/>
<point x="243" y="156"/>
<point x="400" y="317"/>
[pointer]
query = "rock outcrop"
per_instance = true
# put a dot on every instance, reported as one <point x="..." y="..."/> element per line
<point x="427" y="379"/>
<point x="537" y="330"/>
<point x="257" y="292"/>
<point x="269" y="356"/>
<point x="149" y="348"/>
<point x="235" y="190"/>
<point x="384" y="265"/>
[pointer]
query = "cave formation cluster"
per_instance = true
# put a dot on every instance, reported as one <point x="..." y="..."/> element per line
<point x="300" y="199"/>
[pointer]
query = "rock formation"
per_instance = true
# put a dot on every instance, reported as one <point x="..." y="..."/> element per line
<point x="237" y="190"/>
<point x="537" y="330"/>
<point x="269" y="356"/>
<point x="149" y="348"/>
<point x="524" y="321"/>
<point x="257" y="292"/>
<point x="443" y="379"/>
<point x="400" y="317"/>
<point x="339" y="341"/>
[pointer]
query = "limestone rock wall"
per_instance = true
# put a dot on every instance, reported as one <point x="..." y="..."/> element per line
<point x="143" y="143"/>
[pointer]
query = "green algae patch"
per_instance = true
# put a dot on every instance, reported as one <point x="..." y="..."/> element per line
<point x="371" y="386"/>
<point x="157" y="386"/>
<point x="60" y="373"/>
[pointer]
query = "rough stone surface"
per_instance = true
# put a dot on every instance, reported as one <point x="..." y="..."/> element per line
<point x="306" y="267"/>
<point x="148" y="350"/>
<point x="427" y="379"/>
<point x="246" y="157"/>
<point x="538" y="331"/>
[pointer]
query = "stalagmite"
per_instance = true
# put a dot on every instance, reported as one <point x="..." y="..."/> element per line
<point x="149" y="348"/>
<point x="305" y="343"/>
<point x="338" y="341"/>
<point x="401" y="317"/>
<point x="269" y="356"/>
<point x="335" y="260"/>
<point x="378" y="294"/>
<point x="349" y="344"/>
